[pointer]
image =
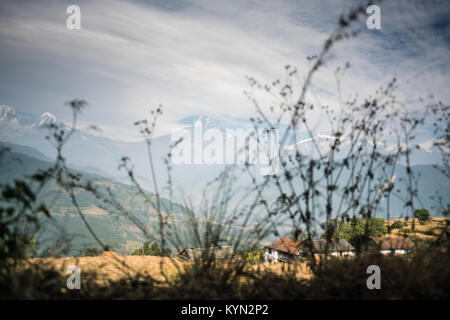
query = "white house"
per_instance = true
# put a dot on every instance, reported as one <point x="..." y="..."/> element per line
<point x="391" y="246"/>
<point x="284" y="250"/>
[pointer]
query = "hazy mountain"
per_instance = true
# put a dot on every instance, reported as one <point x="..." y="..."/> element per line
<point x="66" y="230"/>
<point x="114" y="229"/>
<point x="29" y="151"/>
<point x="422" y="151"/>
<point x="87" y="151"/>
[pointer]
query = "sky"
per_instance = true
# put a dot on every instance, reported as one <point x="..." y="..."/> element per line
<point x="192" y="57"/>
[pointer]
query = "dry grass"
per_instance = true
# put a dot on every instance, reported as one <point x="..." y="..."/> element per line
<point x="300" y="269"/>
<point x="416" y="229"/>
<point x="110" y="266"/>
<point x="422" y="275"/>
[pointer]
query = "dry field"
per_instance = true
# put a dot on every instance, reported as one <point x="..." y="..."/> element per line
<point x="110" y="266"/>
<point x="429" y="230"/>
<point x="301" y="269"/>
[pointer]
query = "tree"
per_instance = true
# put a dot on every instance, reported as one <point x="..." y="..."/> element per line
<point x="398" y="225"/>
<point x="373" y="227"/>
<point x="422" y="214"/>
<point x="358" y="231"/>
<point x="91" y="252"/>
<point x="151" y="250"/>
<point x="338" y="229"/>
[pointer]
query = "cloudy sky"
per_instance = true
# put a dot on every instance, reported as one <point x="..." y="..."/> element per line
<point x="192" y="56"/>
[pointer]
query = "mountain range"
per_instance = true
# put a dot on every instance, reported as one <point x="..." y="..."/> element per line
<point x="64" y="233"/>
<point x="100" y="157"/>
<point x="111" y="226"/>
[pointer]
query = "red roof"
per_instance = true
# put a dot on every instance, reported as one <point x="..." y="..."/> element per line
<point x="286" y="245"/>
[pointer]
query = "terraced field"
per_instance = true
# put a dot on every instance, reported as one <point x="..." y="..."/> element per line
<point x="418" y="230"/>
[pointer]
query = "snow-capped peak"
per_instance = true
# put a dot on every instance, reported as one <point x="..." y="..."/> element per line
<point x="204" y="121"/>
<point x="322" y="140"/>
<point x="317" y="139"/>
<point x="8" y="114"/>
<point x="46" y="119"/>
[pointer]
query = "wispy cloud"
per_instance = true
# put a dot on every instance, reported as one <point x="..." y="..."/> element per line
<point x="192" y="56"/>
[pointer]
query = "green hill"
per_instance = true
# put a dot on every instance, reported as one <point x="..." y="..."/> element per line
<point x="64" y="233"/>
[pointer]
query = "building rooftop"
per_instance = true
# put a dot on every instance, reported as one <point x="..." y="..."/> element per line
<point x="322" y="246"/>
<point x="286" y="245"/>
<point x="393" y="243"/>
